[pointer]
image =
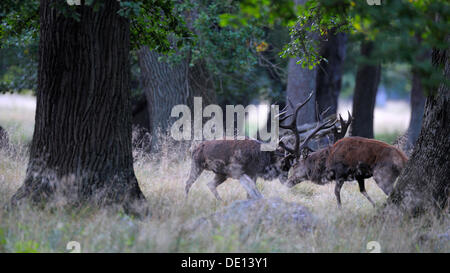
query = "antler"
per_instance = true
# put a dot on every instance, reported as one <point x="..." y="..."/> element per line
<point x="344" y="127"/>
<point x="327" y="125"/>
<point x="293" y="127"/>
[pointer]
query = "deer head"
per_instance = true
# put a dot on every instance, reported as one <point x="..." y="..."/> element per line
<point x="310" y="164"/>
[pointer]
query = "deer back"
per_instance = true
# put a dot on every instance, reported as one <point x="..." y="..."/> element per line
<point x="354" y="151"/>
<point x="232" y="157"/>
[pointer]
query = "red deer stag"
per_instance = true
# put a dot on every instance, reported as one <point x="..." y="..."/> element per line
<point x="243" y="160"/>
<point x="350" y="158"/>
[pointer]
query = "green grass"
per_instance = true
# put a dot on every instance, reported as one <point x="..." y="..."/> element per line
<point x="388" y="137"/>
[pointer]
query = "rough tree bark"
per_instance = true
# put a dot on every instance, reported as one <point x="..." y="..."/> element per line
<point x="166" y="85"/>
<point x="329" y="74"/>
<point x="365" y="93"/>
<point x="81" y="148"/>
<point x="425" y="181"/>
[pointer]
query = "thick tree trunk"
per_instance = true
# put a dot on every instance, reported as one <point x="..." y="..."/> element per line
<point x="329" y="74"/>
<point x="417" y="108"/>
<point x="81" y="148"/>
<point x="365" y="93"/>
<point x="166" y="85"/>
<point x="424" y="184"/>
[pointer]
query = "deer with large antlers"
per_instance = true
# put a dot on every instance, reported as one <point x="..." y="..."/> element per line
<point x="350" y="158"/>
<point x="243" y="160"/>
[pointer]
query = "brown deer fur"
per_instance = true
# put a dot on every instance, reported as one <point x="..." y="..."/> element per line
<point x="348" y="159"/>
<point x="239" y="159"/>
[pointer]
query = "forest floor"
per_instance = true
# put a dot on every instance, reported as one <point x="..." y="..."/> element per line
<point x="162" y="177"/>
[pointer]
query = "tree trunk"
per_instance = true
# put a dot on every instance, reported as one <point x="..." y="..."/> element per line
<point x="365" y="93"/>
<point x="166" y="85"/>
<point x="424" y="184"/>
<point x="417" y="108"/>
<point x="140" y="113"/>
<point x="329" y="74"/>
<point x="141" y="124"/>
<point x="301" y="82"/>
<point x="81" y="148"/>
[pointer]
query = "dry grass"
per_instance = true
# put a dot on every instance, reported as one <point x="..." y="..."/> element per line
<point x="162" y="180"/>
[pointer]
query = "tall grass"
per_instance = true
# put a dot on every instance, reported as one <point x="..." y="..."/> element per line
<point x="161" y="177"/>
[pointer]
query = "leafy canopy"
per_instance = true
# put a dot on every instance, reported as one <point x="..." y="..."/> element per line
<point x="402" y="30"/>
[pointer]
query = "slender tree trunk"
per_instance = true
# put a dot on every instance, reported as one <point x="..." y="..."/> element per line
<point x="329" y="74"/>
<point x="301" y="82"/>
<point x="425" y="181"/>
<point x="365" y="93"/>
<point x="81" y="148"/>
<point x="417" y="108"/>
<point x="166" y="85"/>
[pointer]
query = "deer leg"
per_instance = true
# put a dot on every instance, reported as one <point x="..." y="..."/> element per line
<point x="250" y="186"/>
<point x="362" y="189"/>
<point x="218" y="179"/>
<point x="254" y="183"/>
<point x="337" y="191"/>
<point x="385" y="178"/>
<point x="194" y="174"/>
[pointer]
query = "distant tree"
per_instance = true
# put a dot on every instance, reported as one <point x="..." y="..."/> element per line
<point x="417" y="102"/>
<point x="329" y="73"/>
<point x="166" y="85"/>
<point x="324" y="79"/>
<point x="208" y="67"/>
<point x="301" y="82"/>
<point x="364" y="97"/>
<point x="417" y="107"/>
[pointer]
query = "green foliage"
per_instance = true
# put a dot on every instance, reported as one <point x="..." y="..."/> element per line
<point x="266" y="13"/>
<point x="311" y="24"/>
<point x="222" y="49"/>
<point x="152" y="21"/>
<point x="18" y="65"/>
<point x="18" y="18"/>
<point x="156" y="24"/>
<point x="401" y="30"/>
<point x="238" y="59"/>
